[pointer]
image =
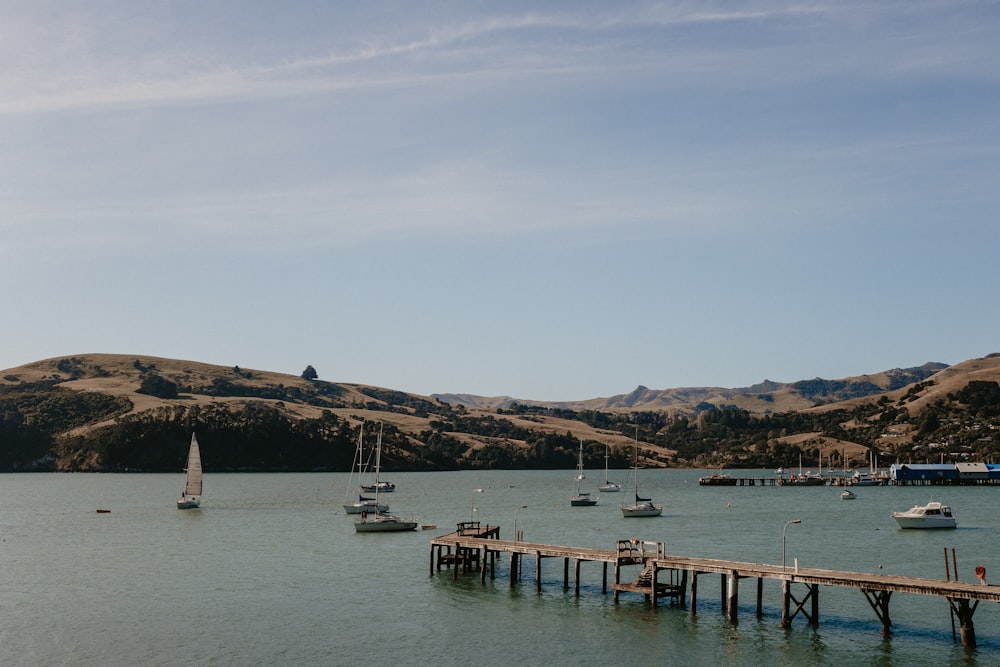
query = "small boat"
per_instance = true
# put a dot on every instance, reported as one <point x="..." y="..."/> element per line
<point x="103" y="511"/>
<point x="382" y="487"/>
<point x="608" y="486"/>
<point x="380" y="522"/>
<point x="191" y="495"/>
<point x="642" y="506"/>
<point x="582" y="498"/>
<point x="847" y="495"/>
<point x="931" y="515"/>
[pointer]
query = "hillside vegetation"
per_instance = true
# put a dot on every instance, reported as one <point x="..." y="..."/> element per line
<point x="129" y="412"/>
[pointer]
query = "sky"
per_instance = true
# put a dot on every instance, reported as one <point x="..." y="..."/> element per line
<point x="545" y="200"/>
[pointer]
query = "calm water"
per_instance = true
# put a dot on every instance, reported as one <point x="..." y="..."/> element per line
<point x="270" y="572"/>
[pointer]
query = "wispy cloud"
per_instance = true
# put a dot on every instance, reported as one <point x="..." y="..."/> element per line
<point x="67" y="63"/>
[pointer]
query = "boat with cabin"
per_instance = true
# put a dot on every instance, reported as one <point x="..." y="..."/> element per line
<point x="932" y="515"/>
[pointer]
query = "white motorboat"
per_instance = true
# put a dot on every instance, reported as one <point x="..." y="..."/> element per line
<point x="191" y="495"/>
<point x="848" y="495"/>
<point x="931" y="515"/>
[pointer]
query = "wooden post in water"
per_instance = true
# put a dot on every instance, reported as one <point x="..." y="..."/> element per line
<point x="618" y="578"/>
<point x="604" y="579"/>
<point x="722" y="587"/>
<point x="964" y="611"/>
<point x="538" y="571"/>
<point x="760" y="597"/>
<point x="515" y="559"/>
<point x="814" y="618"/>
<point x="576" y="577"/>
<point x="786" y="595"/>
<point x="652" y="586"/>
<point x="734" y="597"/>
<point x="566" y="573"/>
<point x="684" y="585"/>
<point x="694" y="592"/>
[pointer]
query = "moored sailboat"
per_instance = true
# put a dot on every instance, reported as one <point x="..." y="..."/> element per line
<point x="608" y="486"/>
<point x="191" y="495"/>
<point x="642" y="506"/>
<point x="363" y="503"/>
<point x="379" y="484"/>
<point x="582" y="498"/>
<point x="380" y="522"/>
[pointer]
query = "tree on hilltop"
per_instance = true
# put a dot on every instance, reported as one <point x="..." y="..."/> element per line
<point x="309" y="373"/>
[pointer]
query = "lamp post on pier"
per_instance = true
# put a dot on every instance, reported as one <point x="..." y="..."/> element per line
<point x="787" y="524"/>
<point x="516" y="510"/>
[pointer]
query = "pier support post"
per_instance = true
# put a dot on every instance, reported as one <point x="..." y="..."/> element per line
<point x="814" y="617"/>
<point x="725" y="598"/>
<point x="879" y="601"/>
<point x="964" y="611"/>
<point x="760" y="597"/>
<point x="652" y="586"/>
<point x="694" y="592"/>
<point x="576" y="577"/>
<point x="733" y="598"/>
<point x="684" y="587"/>
<point x="538" y="572"/>
<point x="618" y="578"/>
<point x="786" y="597"/>
<point x="515" y="565"/>
<point x="566" y="573"/>
<point x="604" y="579"/>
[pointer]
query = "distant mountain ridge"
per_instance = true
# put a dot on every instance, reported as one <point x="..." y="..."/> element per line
<point x="766" y="396"/>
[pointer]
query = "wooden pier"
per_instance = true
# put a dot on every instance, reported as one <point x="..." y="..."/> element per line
<point x="667" y="576"/>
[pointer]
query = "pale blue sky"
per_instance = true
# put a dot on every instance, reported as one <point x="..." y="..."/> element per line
<point x="553" y="201"/>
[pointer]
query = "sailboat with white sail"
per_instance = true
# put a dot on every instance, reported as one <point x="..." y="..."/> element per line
<point x="191" y="495"/>
<point x="379" y="521"/>
<point x="608" y="486"/>
<point x="582" y="498"/>
<point x="642" y="506"/>
<point x="363" y="503"/>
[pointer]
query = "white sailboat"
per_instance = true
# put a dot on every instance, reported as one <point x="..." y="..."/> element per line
<point x="608" y="486"/>
<point x="191" y="496"/>
<point x="642" y="506"/>
<point x="378" y="521"/>
<point x="582" y="498"/>
<point x="363" y="503"/>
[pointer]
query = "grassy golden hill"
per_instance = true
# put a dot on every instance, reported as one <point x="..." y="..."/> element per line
<point x="891" y="404"/>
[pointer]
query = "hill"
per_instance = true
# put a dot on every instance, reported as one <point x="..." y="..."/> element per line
<point x="133" y="412"/>
<point x="768" y="396"/>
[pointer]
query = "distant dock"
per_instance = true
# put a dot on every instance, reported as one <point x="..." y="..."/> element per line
<point x="660" y="575"/>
